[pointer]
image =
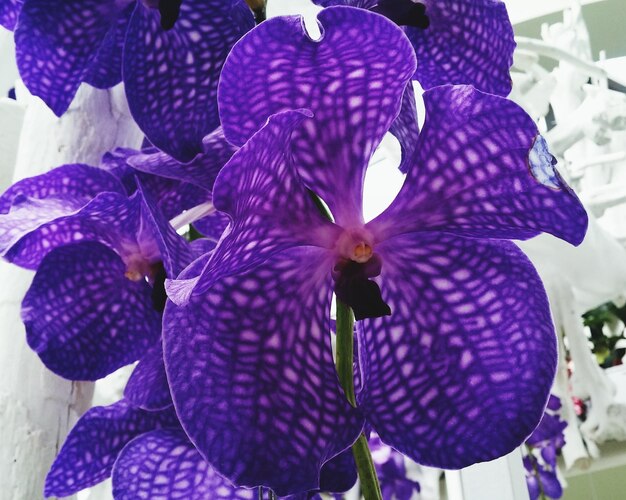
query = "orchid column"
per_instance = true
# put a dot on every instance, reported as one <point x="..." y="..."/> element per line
<point x="39" y="407"/>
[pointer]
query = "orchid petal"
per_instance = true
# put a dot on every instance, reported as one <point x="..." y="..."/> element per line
<point x="462" y="369"/>
<point x="9" y="11"/>
<point x="38" y="226"/>
<point x="252" y="375"/>
<point x="163" y="464"/>
<point x="105" y="70"/>
<point x="405" y="127"/>
<point x="172" y="197"/>
<point x="83" y="317"/>
<point x="74" y="184"/>
<point x="550" y="484"/>
<point x="92" y="446"/>
<point x="212" y="226"/>
<point x="338" y="474"/>
<point x="480" y="169"/>
<point x="271" y="210"/>
<point x="171" y="76"/>
<point x="147" y="386"/>
<point x="201" y="171"/>
<point x="174" y="251"/>
<point x="533" y="487"/>
<point x="352" y="80"/>
<point x="467" y="42"/>
<point x="56" y="43"/>
<point x="549" y="429"/>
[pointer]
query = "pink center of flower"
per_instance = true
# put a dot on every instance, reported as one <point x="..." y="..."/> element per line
<point x="355" y="245"/>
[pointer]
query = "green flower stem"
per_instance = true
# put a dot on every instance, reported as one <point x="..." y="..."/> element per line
<point x="370" y="487"/>
<point x="344" y="360"/>
<point x="345" y="350"/>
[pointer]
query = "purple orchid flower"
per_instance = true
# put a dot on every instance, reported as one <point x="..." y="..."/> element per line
<point x="170" y="76"/>
<point x="550" y="429"/>
<point x="391" y="470"/>
<point x="146" y="453"/>
<point x="93" y="304"/>
<point x="102" y="247"/>
<point x="465" y="42"/>
<point x="542" y="448"/>
<point x="246" y="339"/>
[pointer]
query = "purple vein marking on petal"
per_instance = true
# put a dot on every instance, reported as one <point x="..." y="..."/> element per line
<point x="252" y="376"/>
<point x="147" y="386"/>
<point x="9" y="11"/>
<point x="110" y="218"/>
<point x="352" y="80"/>
<point x="171" y="196"/>
<point x="201" y="171"/>
<point x="105" y="70"/>
<point x="470" y="175"/>
<point x="163" y="464"/>
<point x="462" y="369"/>
<point x="77" y="183"/>
<point x="83" y="317"/>
<point x="406" y="128"/>
<point x="174" y="250"/>
<point x="33" y="202"/>
<point x="92" y="446"/>
<point x="57" y="41"/>
<point x="271" y="210"/>
<point x="212" y="226"/>
<point x="467" y="42"/>
<point x="171" y="76"/>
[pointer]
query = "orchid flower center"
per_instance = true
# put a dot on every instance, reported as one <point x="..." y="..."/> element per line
<point x="138" y="268"/>
<point x="355" y="244"/>
<point x="362" y="252"/>
<point x="404" y="12"/>
<point x="356" y="263"/>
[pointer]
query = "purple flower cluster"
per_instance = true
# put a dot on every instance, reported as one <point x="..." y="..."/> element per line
<point x="542" y="449"/>
<point x="392" y="472"/>
<point x="235" y="388"/>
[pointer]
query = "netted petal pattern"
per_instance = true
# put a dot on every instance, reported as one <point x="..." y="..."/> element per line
<point x="468" y="42"/>
<point x="164" y="465"/>
<point x="93" y="444"/>
<point x="257" y="392"/>
<point x="172" y="91"/>
<point x="462" y="369"/>
<point x="259" y="178"/>
<point x="352" y="80"/>
<point x="147" y="386"/>
<point x="57" y="42"/>
<point x="480" y="169"/>
<point x="83" y="317"/>
<point x="9" y="10"/>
